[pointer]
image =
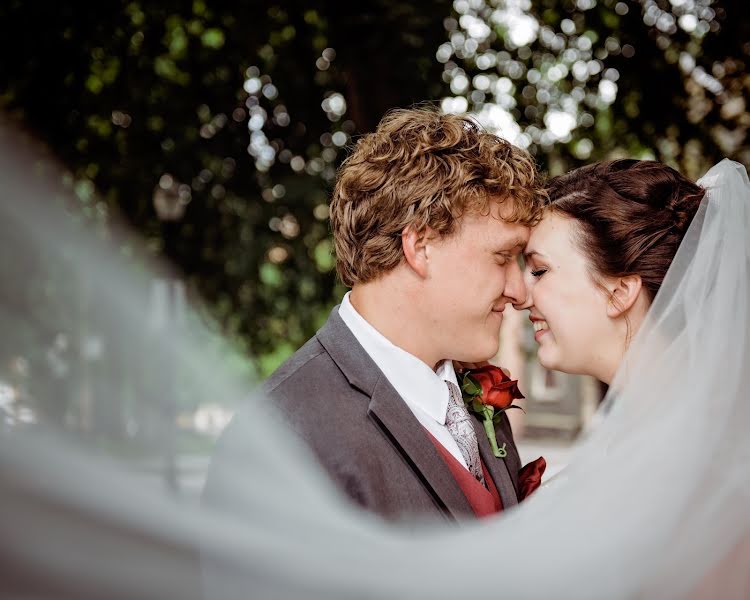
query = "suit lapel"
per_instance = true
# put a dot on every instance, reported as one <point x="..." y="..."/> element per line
<point x="391" y="414"/>
<point x="407" y="435"/>
<point x="497" y="467"/>
<point x="348" y="354"/>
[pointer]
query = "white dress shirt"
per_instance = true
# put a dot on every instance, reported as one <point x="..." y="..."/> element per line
<point x="423" y="390"/>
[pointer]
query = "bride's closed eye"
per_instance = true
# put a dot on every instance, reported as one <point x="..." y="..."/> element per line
<point x="538" y="272"/>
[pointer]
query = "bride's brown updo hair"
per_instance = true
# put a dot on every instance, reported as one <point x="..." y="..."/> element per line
<point x="631" y="215"/>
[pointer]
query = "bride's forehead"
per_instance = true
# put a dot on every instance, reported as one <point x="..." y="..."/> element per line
<point x="552" y="225"/>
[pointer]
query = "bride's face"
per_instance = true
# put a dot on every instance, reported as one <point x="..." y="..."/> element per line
<point x="567" y="308"/>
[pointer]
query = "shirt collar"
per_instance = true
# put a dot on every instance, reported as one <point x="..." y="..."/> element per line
<point x="420" y="387"/>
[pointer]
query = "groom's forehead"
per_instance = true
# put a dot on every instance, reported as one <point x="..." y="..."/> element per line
<point x="513" y="244"/>
<point x="495" y="229"/>
<point x="516" y="243"/>
<point x="509" y="236"/>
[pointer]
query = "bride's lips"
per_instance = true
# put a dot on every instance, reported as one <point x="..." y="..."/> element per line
<point x="539" y="332"/>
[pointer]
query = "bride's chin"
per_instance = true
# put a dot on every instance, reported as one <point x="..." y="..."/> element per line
<point x="547" y="363"/>
<point x="545" y="359"/>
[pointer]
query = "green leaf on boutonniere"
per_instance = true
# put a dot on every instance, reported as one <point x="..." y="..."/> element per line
<point x="477" y="406"/>
<point x="470" y="387"/>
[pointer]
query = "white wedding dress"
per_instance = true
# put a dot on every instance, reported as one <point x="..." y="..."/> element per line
<point x="654" y="503"/>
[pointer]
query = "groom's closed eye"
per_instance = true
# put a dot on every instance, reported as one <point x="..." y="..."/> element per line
<point x="509" y="254"/>
<point x="503" y="257"/>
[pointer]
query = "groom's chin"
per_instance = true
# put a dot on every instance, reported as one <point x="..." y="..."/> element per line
<point x="484" y="352"/>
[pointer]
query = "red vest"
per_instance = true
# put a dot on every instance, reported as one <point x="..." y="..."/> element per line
<point x="483" y="501"/>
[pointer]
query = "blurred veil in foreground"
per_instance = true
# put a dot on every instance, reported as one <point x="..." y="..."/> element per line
<point x="654" y="503"/>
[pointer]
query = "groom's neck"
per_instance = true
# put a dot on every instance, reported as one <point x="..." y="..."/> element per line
<point x="389" y="307"/>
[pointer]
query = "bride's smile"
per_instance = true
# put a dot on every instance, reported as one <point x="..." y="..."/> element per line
<point x="540" y="327"/>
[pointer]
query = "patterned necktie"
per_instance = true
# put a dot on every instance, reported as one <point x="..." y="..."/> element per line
<point x="461" y="428"/>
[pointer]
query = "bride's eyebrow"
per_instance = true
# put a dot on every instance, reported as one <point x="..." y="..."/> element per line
<point x="532" y="253"/>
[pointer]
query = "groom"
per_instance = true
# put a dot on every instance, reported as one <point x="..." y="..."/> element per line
<point x="429" y="215"/>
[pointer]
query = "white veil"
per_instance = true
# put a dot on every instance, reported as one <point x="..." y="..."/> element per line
<point x="654" y="503"/>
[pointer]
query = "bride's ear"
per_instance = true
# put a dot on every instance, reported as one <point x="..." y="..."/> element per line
<point x="623" y="295"/>
<point x="414" y="245"/>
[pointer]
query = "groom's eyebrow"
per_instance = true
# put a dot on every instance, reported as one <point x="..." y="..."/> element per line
<point x="516" y="244"/>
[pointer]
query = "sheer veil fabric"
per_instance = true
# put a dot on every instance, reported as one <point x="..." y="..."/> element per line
<point x="653" y="503"/>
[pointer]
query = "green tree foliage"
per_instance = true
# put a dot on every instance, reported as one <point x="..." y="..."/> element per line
<point x="578" y="81"/>
<point x="240" y="112"/>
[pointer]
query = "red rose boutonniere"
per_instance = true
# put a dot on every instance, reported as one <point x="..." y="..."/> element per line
<point x="489" y="392"/>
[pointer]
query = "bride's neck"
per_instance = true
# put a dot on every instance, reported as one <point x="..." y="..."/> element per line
<point x="618" y="360"/>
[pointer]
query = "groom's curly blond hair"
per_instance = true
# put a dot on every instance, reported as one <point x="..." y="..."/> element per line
<point x="421" y="168"/>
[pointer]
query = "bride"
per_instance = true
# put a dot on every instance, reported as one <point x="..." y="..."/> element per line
<point x="598" y="258"/>
<point x="653" y="504"/>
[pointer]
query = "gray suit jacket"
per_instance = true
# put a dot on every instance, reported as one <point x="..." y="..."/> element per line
<point x="337" y="399"/>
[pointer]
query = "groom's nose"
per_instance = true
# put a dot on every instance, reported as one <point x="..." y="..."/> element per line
<point x="526" y="302"/>
<point x="515" y="288"/>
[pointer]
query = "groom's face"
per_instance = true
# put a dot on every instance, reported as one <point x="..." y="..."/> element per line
<point x="473" y="275"/>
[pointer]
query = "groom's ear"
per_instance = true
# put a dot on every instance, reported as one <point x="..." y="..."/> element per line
<point x="623" y="295"/>
<point x="414" y="245"/>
